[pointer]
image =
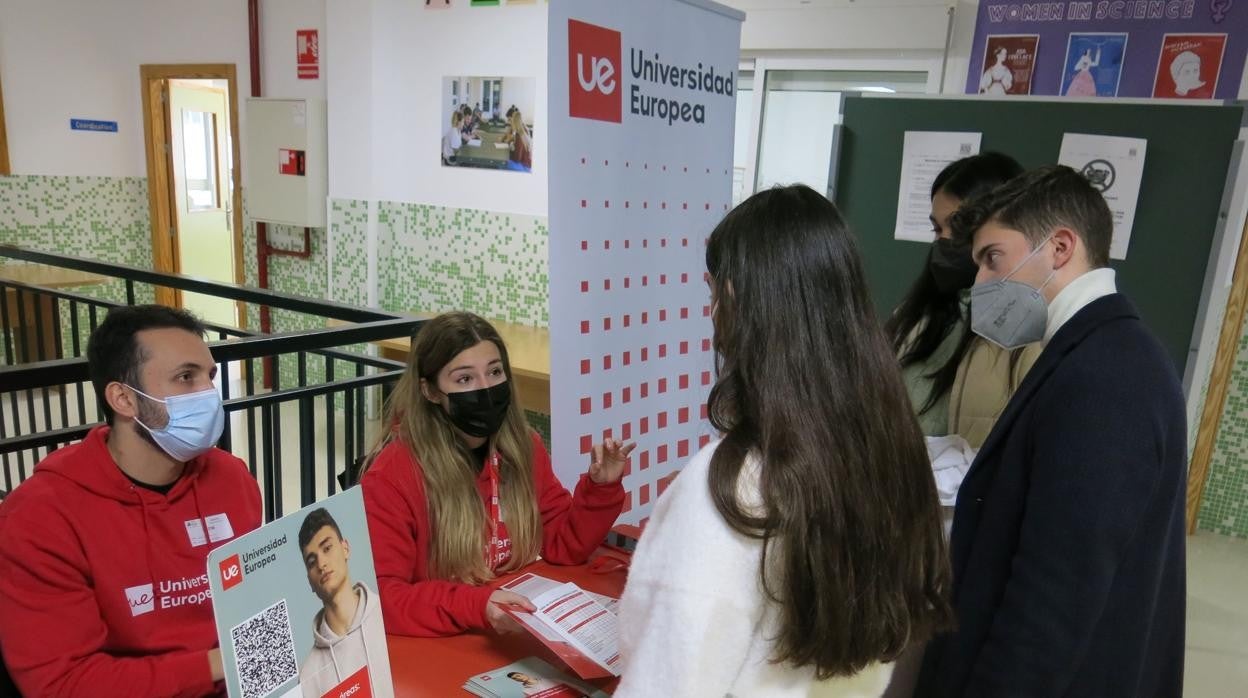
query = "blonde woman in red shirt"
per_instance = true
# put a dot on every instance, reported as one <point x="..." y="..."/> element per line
<point x="463" y="492"/>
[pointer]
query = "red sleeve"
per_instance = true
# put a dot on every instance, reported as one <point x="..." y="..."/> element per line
<point x="573" y="526"/>
<point x="250" y="510"/>
<point x="394" y="501"/>
<point x="51" y="629"/>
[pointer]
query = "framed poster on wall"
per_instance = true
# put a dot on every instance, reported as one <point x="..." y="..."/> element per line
<point x="1093" y="64"/>
<point x="1189" y="65"/>
<point x="1009" y="61"/>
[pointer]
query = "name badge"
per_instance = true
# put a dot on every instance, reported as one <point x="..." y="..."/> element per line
<point x="219" y="528"/>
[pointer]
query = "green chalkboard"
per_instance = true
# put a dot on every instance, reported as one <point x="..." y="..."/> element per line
<point x="1185" y="171"/>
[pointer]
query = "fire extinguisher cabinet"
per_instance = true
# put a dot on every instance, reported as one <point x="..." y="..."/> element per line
<point x="285" y="150"/>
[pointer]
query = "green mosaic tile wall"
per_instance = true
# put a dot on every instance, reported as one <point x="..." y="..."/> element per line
<point x="1224" y="508"/>
<point x="349" y="220"/>
<point x="104" y="218"/>
<point x="438" y="259"/>
<point x="305" y="277"/>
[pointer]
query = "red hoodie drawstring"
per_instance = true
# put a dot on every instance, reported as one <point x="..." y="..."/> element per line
<point x="147" y="536"/>
<point x="199" y="513"/>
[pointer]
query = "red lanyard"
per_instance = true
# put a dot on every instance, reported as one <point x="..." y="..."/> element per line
<point x="495" y="512"/>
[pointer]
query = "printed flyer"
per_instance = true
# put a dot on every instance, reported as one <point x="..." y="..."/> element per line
<point x="297" y="607"/>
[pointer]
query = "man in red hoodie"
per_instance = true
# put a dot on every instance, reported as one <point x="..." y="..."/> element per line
<point x="103" y="550"/>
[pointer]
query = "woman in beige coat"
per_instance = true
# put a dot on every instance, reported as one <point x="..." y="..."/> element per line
<point x="958" y="383"/>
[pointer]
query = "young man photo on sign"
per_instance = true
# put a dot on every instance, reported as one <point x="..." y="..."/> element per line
<point x="347" y="634"/>
<point x="542" y="687"/>
<point x="1068" y="537"/>
<point x="103" y="590"/>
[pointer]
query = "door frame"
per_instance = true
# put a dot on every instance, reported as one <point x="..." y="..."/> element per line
<point x="4" y="141"/>
<point x="153" y="79"/>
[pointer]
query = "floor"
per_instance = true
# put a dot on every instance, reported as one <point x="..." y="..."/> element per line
<point x="1217" y="625"/>
<point x="1217" y="617"/>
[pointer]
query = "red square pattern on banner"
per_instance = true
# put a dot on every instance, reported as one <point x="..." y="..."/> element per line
<point x="625" y="386"/>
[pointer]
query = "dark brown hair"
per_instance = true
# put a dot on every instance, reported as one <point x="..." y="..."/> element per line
<point x="853" y="551"/>
<point x="927" y="315"/>
<point x="114" y="352"/>
<point x="1038" y="202"/>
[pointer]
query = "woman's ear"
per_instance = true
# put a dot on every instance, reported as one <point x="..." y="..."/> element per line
<point x="430" y="393"/>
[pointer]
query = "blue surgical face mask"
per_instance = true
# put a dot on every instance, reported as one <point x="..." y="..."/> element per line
<point x="1011" y="313"/>
<point x="196" y="421"/>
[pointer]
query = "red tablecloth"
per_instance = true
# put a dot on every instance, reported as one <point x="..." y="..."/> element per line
<point x="439" y="667"/>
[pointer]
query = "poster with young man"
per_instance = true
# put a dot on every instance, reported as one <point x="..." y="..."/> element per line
<point x="280" y="637"/>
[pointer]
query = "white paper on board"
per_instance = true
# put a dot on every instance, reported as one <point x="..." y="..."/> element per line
<point x="1115" y="167"/>
<point x="924" y="154"/>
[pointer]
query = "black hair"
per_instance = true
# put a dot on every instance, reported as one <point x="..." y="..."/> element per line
<point x="1040" y="201"/>
<point x="927" y="312"/>
<point x="113" y="350"/>
<point x="315" y="521"/>
<point x="853" y="553"/>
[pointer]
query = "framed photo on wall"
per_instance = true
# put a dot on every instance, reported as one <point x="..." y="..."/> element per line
<point x="494" y="129"/>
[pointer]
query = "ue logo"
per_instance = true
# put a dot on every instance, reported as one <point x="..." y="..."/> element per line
<point x="231" y="572"/>
<point x="594" y="90"/>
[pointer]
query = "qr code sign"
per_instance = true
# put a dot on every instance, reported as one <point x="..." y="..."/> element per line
<point x="264" y="651"/>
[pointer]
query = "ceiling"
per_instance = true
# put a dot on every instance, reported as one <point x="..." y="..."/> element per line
<point x="748" y="5"/>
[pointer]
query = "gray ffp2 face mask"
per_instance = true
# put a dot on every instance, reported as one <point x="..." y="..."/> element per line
<point x="1010" y="313"/>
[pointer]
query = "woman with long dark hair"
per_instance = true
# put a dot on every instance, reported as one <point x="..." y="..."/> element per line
<point x="958" y="383"/>
<point x="805" y="544"/>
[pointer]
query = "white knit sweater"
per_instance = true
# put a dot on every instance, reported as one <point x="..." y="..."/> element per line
<point x="694" y="620"/>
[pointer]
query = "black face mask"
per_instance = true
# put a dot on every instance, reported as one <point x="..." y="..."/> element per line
<point x="479" y="413"/>
<point x="952" y="266"/>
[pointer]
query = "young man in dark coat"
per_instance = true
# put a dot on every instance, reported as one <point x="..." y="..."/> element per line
<point x="1068" y="538"/>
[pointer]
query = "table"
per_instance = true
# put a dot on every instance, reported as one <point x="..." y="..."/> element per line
<point x="439" y="667"/>
<point x="486" y="154"/>
<point x="48" y="315"/>
<point x="528" y="349"/>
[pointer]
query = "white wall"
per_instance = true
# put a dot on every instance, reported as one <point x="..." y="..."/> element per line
<point x="842" y="24"/>
<point x="959" y="59"/>
<point x="80" y="59"/>
<point x="349" y="90"/>
<point x="521" y="92"/>
<point x="279" y="20"/>
<point x="385" y="94"/>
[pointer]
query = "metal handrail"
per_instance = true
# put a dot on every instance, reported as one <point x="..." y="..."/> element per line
<point x="40" y="374"/>
<point x="248" y="294"/>
<point x="55" y="437"/>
